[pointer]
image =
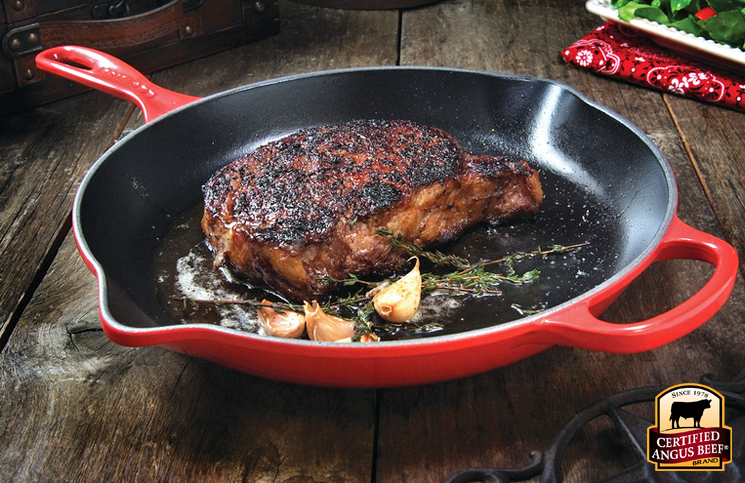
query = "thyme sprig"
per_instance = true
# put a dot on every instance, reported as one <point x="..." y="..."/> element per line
<point x="475" y="281"/>
<point x="509" y="260"/>
<point x="436" y="257"/>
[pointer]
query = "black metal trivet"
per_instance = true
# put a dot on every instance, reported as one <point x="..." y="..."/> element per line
<point x="632" y="432"/>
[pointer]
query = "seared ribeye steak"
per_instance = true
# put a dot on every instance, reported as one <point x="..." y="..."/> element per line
<point x="311" y="207"/>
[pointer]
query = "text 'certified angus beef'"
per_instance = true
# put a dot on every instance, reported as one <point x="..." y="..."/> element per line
<point x="313" y="207"/>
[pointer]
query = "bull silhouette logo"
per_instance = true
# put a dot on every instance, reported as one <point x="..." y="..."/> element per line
<point x="688" y="410"/>
<point x="701" y="442"/>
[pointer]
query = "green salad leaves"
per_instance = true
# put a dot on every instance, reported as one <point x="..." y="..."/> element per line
<point x="720" y="20"/>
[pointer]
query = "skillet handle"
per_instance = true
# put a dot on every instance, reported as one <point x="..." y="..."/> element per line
<point x="579" y="326"/>
<point x="108" y="74"/>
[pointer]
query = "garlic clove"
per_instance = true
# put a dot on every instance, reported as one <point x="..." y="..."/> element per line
<point x="369" y="338"/>
<point x="285" y="324"/>
<point x="399" y="301"/>
<point x="324" y="327"/>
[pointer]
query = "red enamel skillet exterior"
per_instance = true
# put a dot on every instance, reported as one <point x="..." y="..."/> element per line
<point x="111" y="234"/>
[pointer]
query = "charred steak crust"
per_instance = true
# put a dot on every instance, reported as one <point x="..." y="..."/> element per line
<point x="295" y="190"/>
<point x="308" y="207"/>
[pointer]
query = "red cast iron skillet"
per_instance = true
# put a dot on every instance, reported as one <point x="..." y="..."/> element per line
<point x="605" y="183"/>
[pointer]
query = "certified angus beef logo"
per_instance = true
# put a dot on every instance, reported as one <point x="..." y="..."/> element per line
<point x="690" y="433"/>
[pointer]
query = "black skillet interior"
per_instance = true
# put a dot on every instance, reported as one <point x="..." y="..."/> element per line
<point x="605" y="184"/>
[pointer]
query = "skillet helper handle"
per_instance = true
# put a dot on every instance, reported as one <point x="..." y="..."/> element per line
<point x="579" y="327"/>
<point x="108" y="74"/>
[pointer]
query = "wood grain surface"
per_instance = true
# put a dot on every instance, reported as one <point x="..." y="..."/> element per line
<point x="44" y="153"/>
<point x="76" y="407"/>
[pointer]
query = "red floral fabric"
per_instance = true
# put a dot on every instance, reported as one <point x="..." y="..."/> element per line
<point x="626" y="54"/>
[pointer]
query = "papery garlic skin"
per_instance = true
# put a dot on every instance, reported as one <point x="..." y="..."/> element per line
<point x="286" y="324"/>
<point x="399" y="301"/>
<point x="324" y="327"/>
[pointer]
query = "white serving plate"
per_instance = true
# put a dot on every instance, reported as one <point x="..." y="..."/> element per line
<point x="697" y="48"/>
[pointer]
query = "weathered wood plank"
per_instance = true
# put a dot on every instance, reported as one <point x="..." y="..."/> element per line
<point x="44" y="154"/>
<point x="714" y="137"/>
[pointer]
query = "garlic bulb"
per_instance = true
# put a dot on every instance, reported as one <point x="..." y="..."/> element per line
<point x="286" y="324"/>
<point x="399" y="301"/>
<point x="324" y="327"/>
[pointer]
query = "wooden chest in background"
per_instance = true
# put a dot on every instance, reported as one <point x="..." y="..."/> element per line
<point x="148" y="34"/>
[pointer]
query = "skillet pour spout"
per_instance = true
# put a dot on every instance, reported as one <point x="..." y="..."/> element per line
<point x="619" y="196"/>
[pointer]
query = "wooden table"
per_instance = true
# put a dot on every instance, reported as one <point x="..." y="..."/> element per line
<point x="76" y="407"/>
